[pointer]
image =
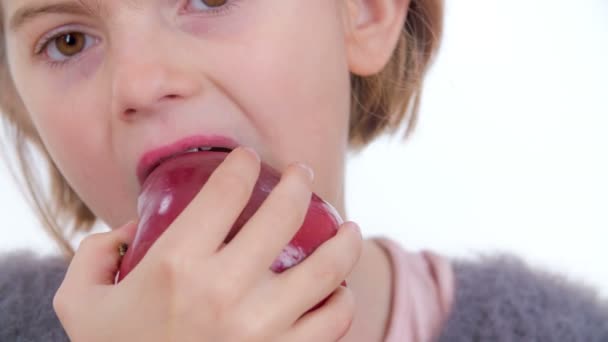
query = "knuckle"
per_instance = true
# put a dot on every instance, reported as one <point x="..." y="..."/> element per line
<point x="64" y="304"/>
<point x="223" y="294"/>
<point x="251" y="328"/>
<point x="219" y="291"/>
<point x="91" y="241"/>
<point x="330" y="271"/>
<point x="171" y="268"/>
<point x="186" y="288"/>
<point x="248" y="330"/>
<point x="355" y="246"/>
<point x="59" y="302"/>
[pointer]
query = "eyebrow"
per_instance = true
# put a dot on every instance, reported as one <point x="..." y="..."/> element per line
<point x="26" y="14"/>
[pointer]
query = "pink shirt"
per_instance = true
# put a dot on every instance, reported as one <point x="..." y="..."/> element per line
<point x="423" y="287"/>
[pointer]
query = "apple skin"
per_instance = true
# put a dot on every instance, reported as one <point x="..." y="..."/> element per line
<point x="173" y="184"/>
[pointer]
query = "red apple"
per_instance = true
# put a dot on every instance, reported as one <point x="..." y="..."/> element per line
<point x="173" y="184"/>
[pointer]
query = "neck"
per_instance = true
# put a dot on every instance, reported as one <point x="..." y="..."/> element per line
<point x="370" y="282"/>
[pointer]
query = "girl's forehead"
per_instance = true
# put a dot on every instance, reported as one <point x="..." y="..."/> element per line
<point x="17" y="13"/>
<point x="34" y="7"/>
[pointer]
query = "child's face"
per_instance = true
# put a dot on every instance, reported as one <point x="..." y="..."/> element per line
<point x="270" y="74"/>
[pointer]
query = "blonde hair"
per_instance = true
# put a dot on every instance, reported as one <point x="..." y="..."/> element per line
<point x="381" y="103"/>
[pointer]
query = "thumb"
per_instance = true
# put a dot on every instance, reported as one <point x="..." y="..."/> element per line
<point x="98" y="256"/>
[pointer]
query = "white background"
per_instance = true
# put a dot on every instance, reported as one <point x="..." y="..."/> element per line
<point x="510" y="153"/>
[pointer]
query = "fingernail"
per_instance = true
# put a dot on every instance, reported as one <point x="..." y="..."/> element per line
<point x="252" y="151"/>
<point x="308" y="169"/>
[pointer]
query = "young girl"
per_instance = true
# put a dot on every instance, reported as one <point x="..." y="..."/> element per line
<point x="96" y="85"/>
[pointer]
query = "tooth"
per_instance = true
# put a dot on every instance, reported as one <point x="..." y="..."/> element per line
<point x="192" y="150"/>
<point x="205" y="148"/>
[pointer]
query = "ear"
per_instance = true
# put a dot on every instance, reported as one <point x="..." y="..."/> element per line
<point x="372" y="31"/>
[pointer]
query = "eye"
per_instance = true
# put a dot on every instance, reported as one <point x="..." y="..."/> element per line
<point x="211" y="7"/>
<point x="207" y="4"/>
<point x="66" y="45"/>
<point x="70" y="44"/>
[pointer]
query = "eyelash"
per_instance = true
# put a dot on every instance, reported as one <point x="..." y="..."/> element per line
<point x="46" y="40"/>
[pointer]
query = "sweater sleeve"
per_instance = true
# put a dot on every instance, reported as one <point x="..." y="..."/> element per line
<point x="27" y="286"/>
<point x="500" y="298"/>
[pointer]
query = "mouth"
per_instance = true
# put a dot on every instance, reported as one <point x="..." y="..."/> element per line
<point x="153" y="158"/>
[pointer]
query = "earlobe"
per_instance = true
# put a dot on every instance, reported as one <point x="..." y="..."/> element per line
<point x="372" y="32"/>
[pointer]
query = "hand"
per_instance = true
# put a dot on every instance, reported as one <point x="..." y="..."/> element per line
<point x="192" y="287"/>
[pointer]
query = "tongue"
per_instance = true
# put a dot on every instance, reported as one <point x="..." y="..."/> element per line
<point x="169" y="189"/>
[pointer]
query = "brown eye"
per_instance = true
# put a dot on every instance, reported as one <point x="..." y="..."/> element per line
<point x="70" y="44"/>
<point x="214" y="3"/>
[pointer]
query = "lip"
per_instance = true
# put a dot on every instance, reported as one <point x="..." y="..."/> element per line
<point x="152" y="158"/>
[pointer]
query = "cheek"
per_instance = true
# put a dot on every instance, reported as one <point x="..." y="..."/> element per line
<point x="295" y="81"/>
<point x="295" y="85"/>
<point x="71" y="123"/>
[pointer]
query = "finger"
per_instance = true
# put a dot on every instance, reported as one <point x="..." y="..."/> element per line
<point x="202" y="227"/>
<point x="98" y="256"/>
<point x="270" y="229"/>
<point x="321" y="273"/>
<point x="330" y="322"/>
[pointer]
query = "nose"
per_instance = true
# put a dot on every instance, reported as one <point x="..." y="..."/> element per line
<point x="147" y="76"/>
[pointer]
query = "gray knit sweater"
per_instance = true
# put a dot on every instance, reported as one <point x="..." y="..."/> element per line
<point x="496" y="299"/>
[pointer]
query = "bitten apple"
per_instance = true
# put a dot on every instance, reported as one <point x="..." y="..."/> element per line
<point x="173" y="184"/>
